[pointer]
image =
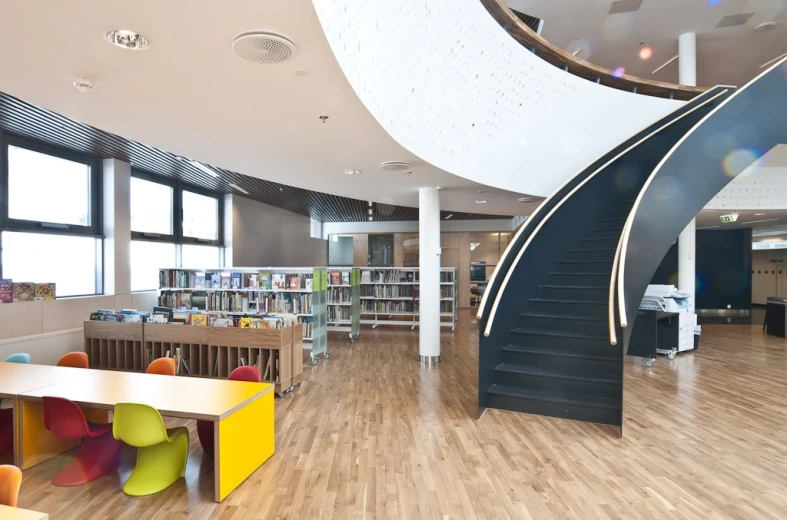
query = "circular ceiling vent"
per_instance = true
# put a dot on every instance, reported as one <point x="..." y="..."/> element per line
<point x="765" y="27"/>
<point x="395" y="166"/>
<point x="263" y="47"/>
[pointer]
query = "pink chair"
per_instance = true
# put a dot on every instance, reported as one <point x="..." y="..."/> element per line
<point x="205" y="428"/>
<point x="99" y="453"/>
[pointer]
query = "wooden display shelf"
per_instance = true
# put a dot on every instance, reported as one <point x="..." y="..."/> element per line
<point x="212" y="352"/>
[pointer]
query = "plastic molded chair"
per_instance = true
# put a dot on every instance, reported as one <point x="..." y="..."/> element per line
<point x="20" y="357"/>
<point x="162" y="455"/>
<point x="164" y="366"/>
<point x="99" y="453"/>
<point x="205" y="428"/>
<point x="10" y="482"/>
<point x="75" y="360"/>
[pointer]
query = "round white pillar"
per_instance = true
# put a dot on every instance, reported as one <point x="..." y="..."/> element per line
<point x="429" y="263"/>
<point x="687" y="59"/>
<point x="687" y="75"/>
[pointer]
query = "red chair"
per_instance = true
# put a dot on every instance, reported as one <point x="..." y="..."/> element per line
<point x="205" y="428"/>
<point x="99" y="453"/>
<point x="6" y="430"/>
<point x="163" y="366"/>
<point x="75" y="360"/>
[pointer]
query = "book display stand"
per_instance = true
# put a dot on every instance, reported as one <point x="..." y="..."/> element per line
<point x="344" y="300"/>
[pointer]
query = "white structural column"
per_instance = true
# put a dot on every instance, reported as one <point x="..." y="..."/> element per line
<point x="687" y="75"/>
<point x="429" y="263"/>
<point x="117" y="228"/>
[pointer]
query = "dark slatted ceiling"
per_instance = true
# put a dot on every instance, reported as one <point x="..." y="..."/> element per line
<point x="26" y="120"/>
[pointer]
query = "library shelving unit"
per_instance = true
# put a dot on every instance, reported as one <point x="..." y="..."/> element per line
<point x="201" y="351"/>
<point x="391" y="293"/>
<point x="344" y="303"/>
<point x="254" y="291"/>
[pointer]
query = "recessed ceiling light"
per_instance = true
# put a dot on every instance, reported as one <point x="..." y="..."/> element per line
<point x="480" y="202"/>
<point x="83" y="84"/>
<point x="764" y="27"/>
<point x="204" y="168"/>
<point x="370" y="219"/>
<point x="370" y="211"/>
<point x="439" y="188"/>
<point x="525" y="199"/>
<point x="238" y="188"/>
<point x="352" y="172"/>
<point x="370" y="203"/>
<point x="126" y="39"/>
<point x="395" y="166"/>
<point x="759" y="214"/>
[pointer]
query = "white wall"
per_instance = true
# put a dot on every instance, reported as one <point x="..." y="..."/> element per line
<point x="770" y="274"/>
<point x="411" y="226"/>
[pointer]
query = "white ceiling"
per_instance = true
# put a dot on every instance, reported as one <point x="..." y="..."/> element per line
<point x="730" y="55"/>
<point x="190" y="95"/>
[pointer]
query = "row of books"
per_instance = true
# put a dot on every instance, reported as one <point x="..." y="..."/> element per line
<point x="389" y="291"/>
<point x="339" y="295"/>
<point x="339" y="278"/>
<point x="339" y="313"/>
<point x="389" y="307"/>
<point x="122" y="316"/>
<point x="263" y="281"/>
<point x="269" y="322"/>
<point x="11" y="291"/>
<point x="446" y="276"/>
<point x="446" y="291"/>
<point x="388" y="276"/>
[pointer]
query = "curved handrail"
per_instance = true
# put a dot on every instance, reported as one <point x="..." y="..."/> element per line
<point x="613" y="335"/>
<point x="579" y="67"/>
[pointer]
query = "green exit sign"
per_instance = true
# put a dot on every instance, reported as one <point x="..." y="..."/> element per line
<point x="726" y="219"/>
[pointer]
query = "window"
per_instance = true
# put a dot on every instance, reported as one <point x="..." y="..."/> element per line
<point x="70" y="261"/>
<point x="50" y="218"/>
<point x="200" y="216"/>
<point x="315" y="229"/>
<point x="146" y="260"/>
<point x="151" y="207"/>
<point x="200" y="257"/>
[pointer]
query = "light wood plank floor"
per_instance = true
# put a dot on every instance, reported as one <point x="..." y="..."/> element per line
<point x="370" y="434"/>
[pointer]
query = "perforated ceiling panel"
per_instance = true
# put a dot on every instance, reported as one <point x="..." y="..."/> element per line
<point x="763" y="185"/>
<point x="26" y="120"/>
<point x="449" y="84"/>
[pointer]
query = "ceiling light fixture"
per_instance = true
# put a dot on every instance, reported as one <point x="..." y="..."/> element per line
<point x="480" y="202"/>
<point x="370" y="203"/>
<point x="370" y="211"/>
<point x="352" y="172"/>
<point x="83" y="84"/>
<point x="395" y="166"/>
<point x="370" y="219"/>
<point x="238" y="188"/>
<point x="126" y="39"/>
<point x="263" y="48"/>
<point x="576" y="51"/>
<point x="204" y="168"/>
<point x="777" y="58"/>
<point x="526" y="199"/>
<point x="665" y="64"/>
<point x="759" y="214"/>
<point x="449" y="216"/>
<point x="764" y="27"/>
<point x="439" y="188"/>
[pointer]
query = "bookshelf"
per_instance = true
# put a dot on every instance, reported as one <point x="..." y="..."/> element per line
<point x="343" y="300"/>
<point x="390" y="295"/>
<point x="212" y="352"/>
<point x="254" y="291"/>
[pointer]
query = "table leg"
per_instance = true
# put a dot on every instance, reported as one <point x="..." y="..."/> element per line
<point x="242" y="442"/>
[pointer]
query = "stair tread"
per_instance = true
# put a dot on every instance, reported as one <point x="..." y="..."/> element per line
<point x="597" y="239"/>
<point x="559" y="300"/>
<point x="584" y="261"/>
<point x="560" y="334"/>
<point x="560" y="316"/>
<point x="593" y="250"/>
<point x="553" y="286"/>
<point x="612" y="219"/>
<point x="558" y="374"/>
<point x="551" y="351"/>
<point x="557" y="273"/>
<point x="557" y="397"/>
<point x="607" y="229"/>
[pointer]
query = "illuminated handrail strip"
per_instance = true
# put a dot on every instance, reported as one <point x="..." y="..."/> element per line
<point x="613" y="336"/>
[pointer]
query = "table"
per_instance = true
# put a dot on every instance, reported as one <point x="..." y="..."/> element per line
<point x="776" y="316"/>
<point x="16" y="378"/>
<point x="242" y="413"/>
<point x="14" y="513"/>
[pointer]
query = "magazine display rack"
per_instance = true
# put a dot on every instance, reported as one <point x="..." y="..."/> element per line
<point x="390" y="294"/>
<point x="344" y="304"/>
<point x="212" y="352"/>
<point x="254" y="291"/>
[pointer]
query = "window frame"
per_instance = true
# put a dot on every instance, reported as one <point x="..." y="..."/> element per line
<point x="178" y="188"/>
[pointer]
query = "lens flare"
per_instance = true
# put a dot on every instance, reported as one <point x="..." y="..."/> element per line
<point x="619" y="72"/>
<point x="645" y="53"/>
<point x="738" y="160"/>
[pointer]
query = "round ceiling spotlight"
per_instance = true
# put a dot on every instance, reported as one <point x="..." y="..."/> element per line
<point x="526" y="199"/>
<point x="352" y="172"/>
<point x="480" y="202"/>
<point x="395" y="166"/>
<point x="126" y="39"/>
<point x="764" y="27"/>
<point x="83" y="84"/>
<point x="263" y="48"/>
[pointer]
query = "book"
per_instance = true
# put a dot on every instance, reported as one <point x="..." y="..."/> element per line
<point x="246" y="323"/>
<point x="278" y="282"/>
<point x="199" y="281"/>
<point x="6" y="291"/>
<point x="24" y="291"/>
<point x="345" y="277"/>
<point x="215" y="281"/>
<point x="235" y="283"/>
<point x="225" y="280"/>
<point x="295" y="282"/>
<point x="253" y="281"/>
<point x="336" y="278"/>
<point x="265" y="281"/>
<point x="186" y="368"/>
<point x="200" y="320"/>
<point x="45" y="291"/>
<point x="309" y="284"/>
<point x="243" y="361"/>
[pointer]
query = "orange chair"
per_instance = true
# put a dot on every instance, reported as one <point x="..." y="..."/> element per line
<point x="75" y="360"/>
<point x="10" y="482"/>
<point x="163" y="366"/>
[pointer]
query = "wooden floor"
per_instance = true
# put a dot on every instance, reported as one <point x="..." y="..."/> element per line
<point x="371" y="434"/>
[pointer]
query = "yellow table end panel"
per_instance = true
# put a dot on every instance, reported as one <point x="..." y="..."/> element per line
<point x="37" y="443"/>
<point x="243" y="441"/>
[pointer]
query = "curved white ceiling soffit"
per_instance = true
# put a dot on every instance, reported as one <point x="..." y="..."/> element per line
<point x="763" y="185"/>
<point x="451" y="86"/>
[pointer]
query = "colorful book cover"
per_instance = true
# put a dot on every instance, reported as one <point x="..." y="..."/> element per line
<point x="199" y="281"/>
<point x="200" y="320"/>
<point x="225" y="280"/>
<point x="278" y="282"/>
<point x="345" y="277"/>
<point x="309" y="284"/>
<point x="246" y="323"/>
<point x="265" y="281"/>
<point x="24" y="291"/>
<point x="236" y="281"/>
<point x="45" y="291"/>
<point x="253" y="281"/>
<point x="6" y="291"/>
<point x="336" y="278"/>
<point x="215" y="281"/>
<point x="295" y="283"/>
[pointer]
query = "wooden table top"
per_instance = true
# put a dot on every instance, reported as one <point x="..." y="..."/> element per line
<point x="173" y="396"/>
<point x="17" y="378"/>
<point x="14" y="513"/>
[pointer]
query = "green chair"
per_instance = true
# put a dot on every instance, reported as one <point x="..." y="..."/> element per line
<point x="162" y="455"/>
